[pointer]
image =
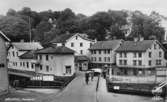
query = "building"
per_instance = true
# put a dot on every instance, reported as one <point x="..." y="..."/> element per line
<point x="77" y="42"/>
<point x="103" y="53"/>
<point x="81" y="63"/>
<point x="56" y="61"/>
<point x="22" y="62"/>
<point x="138" y="61"/>
<point x="4" y="84"/>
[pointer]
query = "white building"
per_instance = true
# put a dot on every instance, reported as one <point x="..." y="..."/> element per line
<point x="56" y="61"/>
<point x="138" y="61"/>
<point x="4" y="83"/>
<point x="21" y="56"/>
<point x="77" y="42"/>
<point x="103" y="53"/>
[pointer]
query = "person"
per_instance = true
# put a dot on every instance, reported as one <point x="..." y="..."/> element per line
<point x="86" y="77"/>
<point x="92" y="75"/>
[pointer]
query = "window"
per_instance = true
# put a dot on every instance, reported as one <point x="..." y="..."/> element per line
<point x="120" y="62"/>
<point x="125" y="62"/>
<point x="134" y="62"/>
<point x="72" y="44"/>
<point x="81" y="44"/>
<point x="158" y="62"/>
<point x="40" y="57"/>
<point x="94" y="52"/>
<point x="125" y="55"/>
<point x="99" y="58"/>
<point x="16" y="63"/>
<point x="140" y="55"/>
<point x="149" y="54"/>
<point x="27" y="65"/>
<point x="20" y="63"/>
<point x="140" y="62"/>
<point x="108" y="51"/>
<point x="99" y="51"/>
<point x="17" y="54"/>
<point x="81" y="51"/>
<point x="68" y="69"/>
<point x="105" y="51"/>
<point x="95" y="58"/>
<point x="105" y="59"/>
<point x="47" y="68"/>
<point x="155" y="46"/>
<point x="149" y="62"/>
<point x="2" y="65"/>
<point x="40" y="67"/>
<point x="160" y="54"/>
<point x="76" y="37"/>
<point x="135" y="55"/>
<point x="120" y="55"/>
<point x="47" y="58"/>
<point x="13" y="53"/>
<point x="90" y="44"/>
<point x="23" y="64"/>
<point x="91" y="58"/>
<point x="32" y="65"/>
<point x="108" y="59"/>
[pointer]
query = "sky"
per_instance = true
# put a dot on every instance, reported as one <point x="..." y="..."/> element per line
<point x="87" y="7"/>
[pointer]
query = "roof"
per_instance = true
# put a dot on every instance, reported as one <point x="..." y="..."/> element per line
<point x="132" y="46"/>
<point x="27" y="45"/>
<point x="4" y="36"/>
<point x="64" y="37"/>
<point x="28" y="55"/>
<point x="81" y="58"/>
<point x="21" y="72"/>
<point x="111" y="44"/>
<point x="56" y="50"/>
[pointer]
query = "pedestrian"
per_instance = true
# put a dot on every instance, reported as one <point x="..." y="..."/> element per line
<point x="87" y="77"/>
<point x="92" y="75"/>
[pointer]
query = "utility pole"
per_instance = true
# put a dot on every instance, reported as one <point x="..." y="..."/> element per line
<point x="29" y="21"/>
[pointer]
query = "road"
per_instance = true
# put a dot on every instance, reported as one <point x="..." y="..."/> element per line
<point x="76" y="91"/>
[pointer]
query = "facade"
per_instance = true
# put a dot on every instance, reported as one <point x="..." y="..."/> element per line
<point x="77" y="42"/>
<point x="103" y="53"/>
<point x="4" y="84"/>
<point x="137" y="61"/>
<point x="21" y="56"/>
<point x="56" y="61"/>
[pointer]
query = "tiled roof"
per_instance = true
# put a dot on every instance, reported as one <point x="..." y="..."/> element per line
<point x="64" y="37"/>
<point x="132" y="46"/>
<point x="55" y="50"/>
<point x="28" y="55"/>
<point x="21" y="72"/>
<point x="81" y="58"/>
<point x="27" y="45"/>
<point x="112" y="44"/>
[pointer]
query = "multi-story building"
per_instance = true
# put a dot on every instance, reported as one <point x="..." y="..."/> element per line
<point x="103" y="53"/>
<point x="56" y="61"/>
<point x="138" y="61"/>
<point x="4" y="84"/>
<point x="80" y="44"/>
<point x="77" y="42"/>
<point x="21" y="57"/>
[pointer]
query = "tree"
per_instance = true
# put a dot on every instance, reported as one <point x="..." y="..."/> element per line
<point x="15" y="28"/>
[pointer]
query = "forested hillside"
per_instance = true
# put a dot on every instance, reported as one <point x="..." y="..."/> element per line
<point x="46" y="25"/>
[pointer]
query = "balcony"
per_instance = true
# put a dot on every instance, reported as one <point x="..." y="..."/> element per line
<point x="133" y="79"/>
